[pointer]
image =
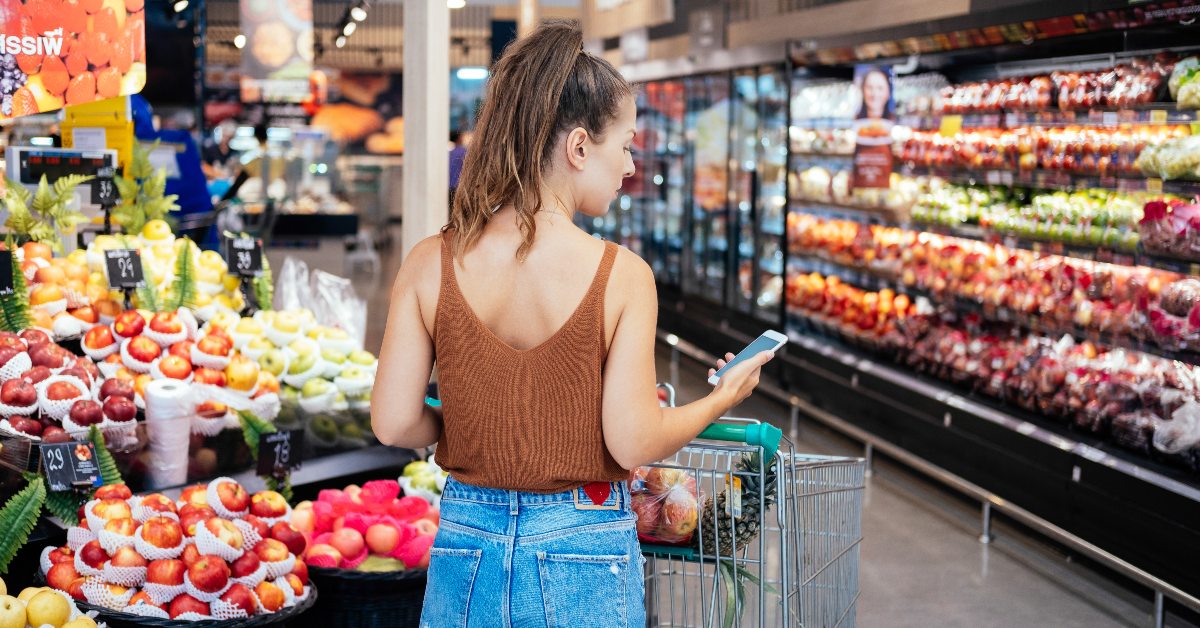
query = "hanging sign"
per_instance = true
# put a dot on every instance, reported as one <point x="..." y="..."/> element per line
<point x="277" y="57"/>
<point x="873" y="124"/>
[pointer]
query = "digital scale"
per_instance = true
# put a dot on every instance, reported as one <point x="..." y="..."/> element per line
<point x="27" y="164"/>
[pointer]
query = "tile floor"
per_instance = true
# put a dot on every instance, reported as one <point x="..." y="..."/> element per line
<point x="922" y="564"/>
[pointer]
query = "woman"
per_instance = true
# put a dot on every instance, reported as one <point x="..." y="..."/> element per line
<point x="544" y="342"/>
<point x="876" y="95"/>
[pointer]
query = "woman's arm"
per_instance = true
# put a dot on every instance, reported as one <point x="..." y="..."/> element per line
<point x="399" y="416"/>
<point x="636" y="430"/>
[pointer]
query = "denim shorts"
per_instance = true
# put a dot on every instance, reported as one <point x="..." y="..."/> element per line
<point x="512" y="559"/>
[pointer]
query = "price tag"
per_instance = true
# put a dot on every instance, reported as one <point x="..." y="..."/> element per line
<point x="950" y="125"/>
<point x="124" y="268"/>
<point x="1012" y="120"/>
<point x="1110" y="118"/>
<point x="70" y="465"/>
<point x="245" y="256"/>
<point x="6" y="274"/>
<point x="1158" y="116"/>
<point x="104" y="191"/>
<point x="733" y="489"/>
<point x="1154" y="186"/>
<point x="279" y="452"/>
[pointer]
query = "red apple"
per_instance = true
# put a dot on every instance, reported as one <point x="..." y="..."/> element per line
<point x="192" y="515"/>
<point x="54" y="434"/>
<point x="62" y="554"/>
<point x="224" y="530"/>
<point x="190" y="555"/>
<point x="270" y="596"/>
<point x="144" y="349"/>
<point x="348" y="541"/>
<point x="183" y="349"/>
<point x="268" y="504"/>
<point x="76" y="589"/>
<point x="34" y="337"/>
<point x="326" y="552"/>
<point x="59" y="391"/>
<point x="260" y="526"/>
<point x="116" y="388"/>
<point x="185" y="603"/>
<point x="93" y="555"/>
<point x="158" y="503"/>
<point x="88" y="366"/>
<point x="283" y="532"/>
<point x="175" y="367"/>
<point x="166" y="323"/>
<point x="212" y="410"/>
<point x="300" y="570"/>
<point x="162" y="532"/>
<point x="123" y="526"/>
<point x="382" y="538"/>
<point x="8" y="353"/>
<point x="78" y="372"/>
<point x="9" y="339"/>
<point x="212" y="377"/>
<point x="233" y="497"/>
<point x="119" y="409"/>
<point x="84" y="412"/>
<point x="271" y="551"/>
<point x="112" y="508"/>
<point x="61" y="576"/>
<point x="141" y="597"/>
<point x="215" y="345"/>
<point x="197" y="495"/>
<point x="114" y="491"/>
<point x="297" y="586"/>
<point x="25" y="425"/>
<point x="209" y="574"/>
<point x="37" y="374"/>
<point x="245" y="565"/>
<point x="129" y="323"/>
<point x="238" y="595"/>
<point x="48" y="355"/>
<point x="99" y="337"/>
<point x="167" y="572"/>
<point x="127" y="557"/>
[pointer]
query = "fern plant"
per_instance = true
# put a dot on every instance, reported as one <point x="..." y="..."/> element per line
<point x="109" y="473"/>
<point x="143" y="193"/>
<point x="14" y="308"/>
<point x="18" y="518"/>
<point x="65" y="506"/>
<point x="253" y="428"/>
<point x="264" y="286"/>
<point x="43" y="215"/>
<point x="182" y="291"/>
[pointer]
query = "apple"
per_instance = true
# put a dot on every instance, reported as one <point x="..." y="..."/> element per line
<point x="162" y="532"/>
<point x="114" y="491"/>
<point x="141" y="597"/>
<point x="78" y="372"/>
<point x="286" y="323"/>
<point x="48" y="355"/>
<point x="37" y="374"/>
<point x="259" y="525"/>
<point x="191" y="515"/>
<point x="175" y="367"/>
<point x="304" y="520"/>
<point x="61" y="575"/>
<point x="267" y="383"/>
<point x="283" y="532"/>
<point x="143" y="349"/>
<point x="166" y="571"/>
<point x="214" y="345"/>
<point x="382" y="538"/>
<point x="158" y="503"/>
<point x="348" y="541"/>
<point x="76" y="589"/>
<point x="55" y="434"/>
<point x="184" y="603"/>
<point x="245" y="565"/>
<point x="88" y="367"/>
<point x="119" y="409"/>
<point x="190" y="555"/>
<point x="112" y="508"/>
<point x="362" y="358"/>
<point x="209" y="574"/>
<point x="316" y="387"/>
<point x="271" y="551"/>
<point x="212" y="377"/>
<point x="25" y="425"/>
<point x="294" y="581"/>
<point x="93" y="555"/>
<point x="268" y="504"/>
<point x="183" y="349"/>
<point x="324" y="554"/>
<point x="242" y="374"/>
<point x="270" y="596"/>
<point x="84" y="412"/>
<point x="116" y="388"/>
<point x="127" y="557"/>
<point x="238" y="595"/>
<point x="34" y="337"/>
<point x="197" y="495"/>
<point x="8" y="353"/>
<point x="300" y="570"/>
<point x="260" y="344"/>
<point x="303" y="363"/>
<point x="273" y="361"/>
<point x="233" y="497"/>
<point x="129" y="324"/>
<point x="140" y="382"/>
<point x="124" y="526"/>
<point x="224" y="530"/>
<point x="248" y="326"/>
<point x="214" y="410"/>
<point x="62" y="554"/>
<point x="9" y="339"/>
<point x="166" y="323"/>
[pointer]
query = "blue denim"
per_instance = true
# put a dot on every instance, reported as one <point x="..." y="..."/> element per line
<point x="512" y="559"/>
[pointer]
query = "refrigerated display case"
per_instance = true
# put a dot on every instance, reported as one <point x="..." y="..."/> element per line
<point x="706" y="265"/>
<point x="771" y="194"/>
<point x="664" y="177"/>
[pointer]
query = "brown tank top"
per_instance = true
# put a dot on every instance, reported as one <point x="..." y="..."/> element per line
<point x="525" y="420"/>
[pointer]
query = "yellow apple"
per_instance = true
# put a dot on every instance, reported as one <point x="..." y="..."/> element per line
<point x="83" y="621"/>
<point x="207" y="274"/>
<point x="212" y="259"/>
<point x="48" y="607"/>
<point x="12" y="612"/>
<point x="27" y="593"/>
<point x="231" y="283"/>
<point x="156" y="230"/>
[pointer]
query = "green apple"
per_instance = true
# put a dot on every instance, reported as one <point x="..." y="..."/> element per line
<point x="316" y="387"/>
<point x="288" y="393"/>
<point x="336" y="333"/>
<point x="354" y="373"/>
<point x="301" y="347"/>
<point x="324" y="427"/>
<point x="286" y="322"/>
<point x="316" y="332"/>
<point x="426" y="481"/>
<point x="361" y="357"/>
<point x="260" y="344"/>
<point x="302" y="364"/>
<point x="414" y="468"/>
<point x="248" y="326"/>
<point x="351" y="430"/>
<point x="273" y="361"/>
<point x="225" y="319"/>
<point x="333" y="355"/>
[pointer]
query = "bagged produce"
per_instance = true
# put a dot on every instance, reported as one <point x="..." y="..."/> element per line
<point x="666" y="503"/>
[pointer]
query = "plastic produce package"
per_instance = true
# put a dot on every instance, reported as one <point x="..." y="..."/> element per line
<point x="667" y="504"/>
<point x="332" y="299"/>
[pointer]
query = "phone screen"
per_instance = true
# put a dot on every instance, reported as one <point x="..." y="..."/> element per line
<point x="760" y="344"/>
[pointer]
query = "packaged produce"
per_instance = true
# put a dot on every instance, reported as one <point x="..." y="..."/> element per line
<point x="666" y="503"/>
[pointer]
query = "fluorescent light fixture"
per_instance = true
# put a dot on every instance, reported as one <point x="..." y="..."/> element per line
<point x="456" y="4"/>
<point x="358" y="13"/>
<point x="41" y="141"/>
<point x="180" y="5"/>
<point x="340" y="42"/>
<point x="349" y="28"/>
<point x="239" y="41"/>
<point x="471" y="74"/>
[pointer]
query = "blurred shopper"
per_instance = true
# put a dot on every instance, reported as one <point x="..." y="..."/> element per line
<point x="458" y="153"/>
<point x="544" y="342"/>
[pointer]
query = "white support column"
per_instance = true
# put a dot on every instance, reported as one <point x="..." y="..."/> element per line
<point x="528" y="17"/>
<point x="426" y="120"/>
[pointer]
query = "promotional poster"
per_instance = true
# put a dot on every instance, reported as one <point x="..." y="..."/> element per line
<point x="873" y="124"/>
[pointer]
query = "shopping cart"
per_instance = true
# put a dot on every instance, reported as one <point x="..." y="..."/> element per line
<point x="801" y="569"/>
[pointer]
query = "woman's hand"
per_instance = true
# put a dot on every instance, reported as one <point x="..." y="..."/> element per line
<point x="741" y="380"/>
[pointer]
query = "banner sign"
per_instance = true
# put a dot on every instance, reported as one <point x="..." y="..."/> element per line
<point x="278" y="56"/>
<point x="55" y="53"/>
<point x="873" y="124"/>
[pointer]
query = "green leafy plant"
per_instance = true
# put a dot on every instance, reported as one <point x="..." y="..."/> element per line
<point x="45" y="214"/>
<point x="18" y="518"/>
<point x="65" y="506"/>
<point x="14" y="308"/>
<point x="143" y="193"/>
<point x="109" y="473"/>
<point x="252" y="430"/>
<point x="182" y="292"/>
<point x="264" y="286"/>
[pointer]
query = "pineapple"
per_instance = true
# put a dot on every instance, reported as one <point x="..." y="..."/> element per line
<point x="755" y="499"/>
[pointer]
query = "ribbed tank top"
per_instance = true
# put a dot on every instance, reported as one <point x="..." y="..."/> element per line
<point x="526" y="420"/>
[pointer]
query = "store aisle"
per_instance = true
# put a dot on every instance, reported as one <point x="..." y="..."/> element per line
<point x="922" y="564"/>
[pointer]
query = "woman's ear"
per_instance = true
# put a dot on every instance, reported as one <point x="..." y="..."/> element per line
<point x="577" y="147"/>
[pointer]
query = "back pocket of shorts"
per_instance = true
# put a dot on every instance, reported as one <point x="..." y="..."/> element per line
<point x="583" y="590"/>
<point x="451" y="582"/>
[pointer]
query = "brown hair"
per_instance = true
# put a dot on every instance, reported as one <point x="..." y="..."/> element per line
<point x="544" y="85"/>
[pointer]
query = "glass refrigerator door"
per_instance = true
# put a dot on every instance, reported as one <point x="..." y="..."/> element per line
<point x="743" y="166"/>
<point x="771" y="195"/>
<point x="666" y="174"/>
<point x="708" y="109"/>
<point x="636" y="201"/>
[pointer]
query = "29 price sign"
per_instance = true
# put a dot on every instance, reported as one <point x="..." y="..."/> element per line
<point x="279" y="452"/>
<point x="124" y="268"/>
<point x="244" y="256"/>
<point x="70" y="465"/>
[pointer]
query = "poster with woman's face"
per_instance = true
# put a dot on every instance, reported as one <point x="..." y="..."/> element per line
<point x="873" y="125"/>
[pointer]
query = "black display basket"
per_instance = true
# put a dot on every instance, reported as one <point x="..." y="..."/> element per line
<point x="367" y="598"/>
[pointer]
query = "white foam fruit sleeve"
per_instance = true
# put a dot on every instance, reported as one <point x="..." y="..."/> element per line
<point x="206" y="360"/>
<point x="297" y="380"/>
<point x="97" y="592"/>
<point x="53" y="308"/>
<point x="98" y="355"/>
<point x="208" y="543"/>
<point x="318" y="404"/>
<point x="109" y="369"/>
<point x="289" y="596"/>
<point x="209" y="426"/>
<point x="286" y="516"/>
<point x="84" y="569"/>
<point x="157" y="373"/>
<point x="214" y="499"/>
<point x="16" y="365"/>
<point x="240" y="340"/>
<point x="192" y="616"/>
<point x="249" y="533"/>
<point x="132" y="363"/>
<point x="154" y="552"/>
<point x="280" y="338"/>
<point x="77" y="537"/>
<point x="224" y="610"/>
<point x="58" y="408"/>
<point x="142" y="513"/>
<point x="163" y="593"/>
<point x="169" y="409"/>
<point x="203" y="596"/>
<point x="253" y="579"/>
<point x="125" y="576"/>
<point x="111" y="541"/>
<point x="142" y="609"/>
<point x="7" y="429"/>
<point x="190" y="324"/>
<point x="280" y="568"/>
<point x="95" y="522"/>
<point x="44" y="559"/>
<point x="165" y="340"/>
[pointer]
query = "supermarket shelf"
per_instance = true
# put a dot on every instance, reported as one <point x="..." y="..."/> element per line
<point x="1051" y="180"/>
<point x="851" y="212"/>
<point x="810" y="154"/>
<point x="1156" y="113"/>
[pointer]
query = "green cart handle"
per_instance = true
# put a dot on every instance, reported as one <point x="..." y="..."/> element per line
<point x="764" y="435"/>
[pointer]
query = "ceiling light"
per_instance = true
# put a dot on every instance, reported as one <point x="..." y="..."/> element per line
<point x="358" y="13"/>
<point x="180" y="5"/>
<point x="456" y="4"/>
<point x="471" y="74"/>
<point x="349" y="28"/>
<point x="340" y="42"/>
<point x="239" y="41"/>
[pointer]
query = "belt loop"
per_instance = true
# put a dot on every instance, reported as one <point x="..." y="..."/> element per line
<point x="513" y="505"/>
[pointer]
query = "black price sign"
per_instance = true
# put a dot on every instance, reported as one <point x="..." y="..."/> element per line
<point x="124" y="268"/>
<point x="70" y="465"/>
<point x="244" y="256"/>
<point x="6" y="274"/>
<point x="104" y="191"/>
<point x="279" y="452"/>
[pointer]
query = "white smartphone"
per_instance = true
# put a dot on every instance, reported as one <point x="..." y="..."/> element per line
<point x="770" y="340"/>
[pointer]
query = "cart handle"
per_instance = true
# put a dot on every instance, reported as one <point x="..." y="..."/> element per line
<point x="764" y="435"/>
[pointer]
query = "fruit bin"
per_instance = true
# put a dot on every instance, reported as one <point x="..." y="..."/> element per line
<point x="359" y="598"/>
<point x="283" y="618"/>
